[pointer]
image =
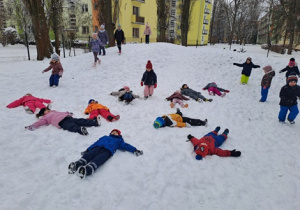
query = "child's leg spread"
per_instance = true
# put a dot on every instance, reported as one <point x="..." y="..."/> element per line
<point x="106" y="114"/>
<point x="293" y="113"/>
<point x="194" y="122"/>
<point x="94" y="114"/>
<point x="101" y="157"/>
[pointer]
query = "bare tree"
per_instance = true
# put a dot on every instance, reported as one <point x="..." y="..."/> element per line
<point x="212" y="21"/>
<point x="55" y="19"/>
<point x="162" y="19"/>
<point x="187" y="6"/>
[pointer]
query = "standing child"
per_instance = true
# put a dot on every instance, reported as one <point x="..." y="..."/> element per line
<point x="177" y="97"/>
<point x="266" y="82"/>
<point x="125" y="94"/>
<point x="95" y="44"/>
<point x="57" y="70"/>
<point x="288" y="100"/>
<point x="185" y="90"/>
<point x="147" y="33"/>
<point x="214" y="89"/>
<point x="247" y="68"/>
<point x="95" y="109"/>
<point x="31" y="104"/>
<point x="99" y="152"/>
<point x="291" y="68"/>
<point x="63" y="120"/>
<point x="149" y="79"/>
<point x="177" y="120"/>
<point x="103" y="36"/>
<point x="210" y="143"/>
<point x="119" y="37"/>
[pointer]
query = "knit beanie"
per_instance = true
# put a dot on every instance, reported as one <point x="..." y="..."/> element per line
<point x="149" y="65"/>
<point x="55" y="57"/>
<point x="159" y="122"/>
<point x="102" y="26"/>
<point x="250" y="59"/>
<point x="292" y="59"/>
<point x="291" y="78"/>
<point x="267" y="69"/>
<point x="126" y="88"/>
<point x="118" y="131"/>
<point x="90" y="101"/>
<point x="119" y="25"/>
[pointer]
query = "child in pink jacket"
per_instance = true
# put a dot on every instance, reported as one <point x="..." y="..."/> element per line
<point x="63" y="120"/>
<point x="213" y="89"/>
<point x="57" y="70"/>
<point x="31" y="104"/>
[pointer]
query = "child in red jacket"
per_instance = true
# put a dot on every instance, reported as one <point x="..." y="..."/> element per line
<point x="31" y="104"/>
<point x="210" y="143"/>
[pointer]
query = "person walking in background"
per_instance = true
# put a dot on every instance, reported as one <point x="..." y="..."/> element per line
<point x="149" y="79"/>
<point x="266" y="82"/>
<point x="103" y="36"/>
<point x="291" y="68"/>
<point x="147" y="33"/>
<point x="247" y="68"/>
<point x="57" y="70"/>
<point x="99" y="152"/>
<point x="119" y="37"/>
<point x="95" y="44"/>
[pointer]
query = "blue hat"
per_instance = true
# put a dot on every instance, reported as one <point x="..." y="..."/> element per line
<point x="91" y="100"/>
<point x="159" y="122"/>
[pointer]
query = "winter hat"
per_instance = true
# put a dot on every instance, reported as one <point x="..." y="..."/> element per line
<point x="102" y="26"/>
<point x="250" y="59"/>
<point x="90" y="101"/>
<point x="55" y="57"/>
<point x="119" y="25"/>
<point x="267" y="69"/>
<point x="118" y="131"/>
<point x="291" y="78"/>
<point x="126" y="88"/>
<point x="292" y="59"/>
<point x="159" y="122"/>
<point x="149" y="65"/>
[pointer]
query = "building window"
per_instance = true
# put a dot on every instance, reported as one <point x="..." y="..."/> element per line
<point x="172" y="24"/>
<point x="85" y="8"/>
<point x="136" y="11"/>
<point x="173" y="12"/>
<point x="72" y="21"/>
<point x="135" y="33"/>
<point x="173" y="4"/>
<point x="202" y="39"/>
<point x="85" y="30"/>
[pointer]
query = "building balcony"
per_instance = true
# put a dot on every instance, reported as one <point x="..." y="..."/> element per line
<point x="205" y="21"/>
<point x="204" y="31"/>
<point x="137" y="19"/>
<point x="206" y="11"/>
<point x="141" y="1"/>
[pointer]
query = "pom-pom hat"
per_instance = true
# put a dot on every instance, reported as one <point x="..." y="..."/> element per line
<point x="267" y="69"/>
<point x="149" y="65"/>
<point x="159" y="122"/>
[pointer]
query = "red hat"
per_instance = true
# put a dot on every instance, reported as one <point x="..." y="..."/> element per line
<point x="118" y="131"/>
<point x="149" y="65"/>
<point x="126" y="88"/>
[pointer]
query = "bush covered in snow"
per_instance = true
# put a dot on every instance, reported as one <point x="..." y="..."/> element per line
<point x="9" y="36"/>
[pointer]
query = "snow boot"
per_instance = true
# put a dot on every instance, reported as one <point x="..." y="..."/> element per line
<point x="82" y="172"/>
<point x="226" y="132"/>
<point x="28" y="110"/>
<point x="217" y="129"/>
<point x="84" y="131"/>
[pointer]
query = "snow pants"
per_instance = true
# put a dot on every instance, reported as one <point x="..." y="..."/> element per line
<point x="103" y="112"/>
<point x="103" y="49"/>
<point x="244" y="79"/>
<point x="292" y="115"/>
<point x="54" y="80"/>
<point x="219" y="139"/>
<point x="215" y="91"/>
<point x="264" y="94"/>
<point x="148" y="90"/>
<point x="34" y="104"/>
<point x="179" y="101"/>
<point x="147" y="39"/>
<point x="193" y="122"/>
<point x="74" y="125"/>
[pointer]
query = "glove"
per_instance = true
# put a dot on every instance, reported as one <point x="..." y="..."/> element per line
<point x="86" y="113"/>
<point x="188" y="125"/>
<point x="142" y="83"/>
<point x="234" y="153"/>
<point x="70" y="113"/>
<point x="190" y="137"/>
<point x="264" y="87"/>
<point x="280" y="71"/>
<point x="234" y="64"/>
<point x="258" y="66"/>
<point x="43" y="71"/>
<point x="226" y="91"/>
<point x="138" y="152"/>
<point x="198" y="157"/>
<point x="203" y="89"/>
<point x="31" y="128"/>
<point x="155" y="85"/>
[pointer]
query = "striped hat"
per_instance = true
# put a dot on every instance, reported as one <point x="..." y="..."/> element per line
<point x="291" y="78"/>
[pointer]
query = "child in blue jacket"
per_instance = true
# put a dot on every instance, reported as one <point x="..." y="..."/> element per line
<point x="247" y="68"/>
<point x="95" y="44"/>
<point x="99" y="152"/>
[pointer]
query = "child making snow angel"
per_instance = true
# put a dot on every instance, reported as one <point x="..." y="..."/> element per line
<point x="185" y="90"/>
<point x="177" y="97"/>
<point x="210" y="143"/>
<point x="177" y="120"/>
<point x="291" y="68"/>
<point x="266" y="82"/>
<point x="95" y="44"/>
<point x="63" y="120"/>
<point x="149" y="79"/>
<point x="99" y="152"/>
<point x="94" y="109"/>
<point x="214" y="89"/>
<point x="247" y="68"/>
<point x="125" y="94"/>
<point x="31" y="104"/>
<point x="288" y="100"/>
<point x="57" y="70"/>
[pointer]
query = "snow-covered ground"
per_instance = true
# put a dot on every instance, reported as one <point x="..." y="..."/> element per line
<point x="34" y="164"/>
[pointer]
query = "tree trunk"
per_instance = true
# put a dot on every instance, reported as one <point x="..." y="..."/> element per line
<point x="212" y="20"/>
<point x="55" y="20"/>
<point x="162" y="19"/>
<point x="105" y="17"/>
<point x="185" y="21"/>
<point x="40" y="28"/>
<point x="292" y="26"/>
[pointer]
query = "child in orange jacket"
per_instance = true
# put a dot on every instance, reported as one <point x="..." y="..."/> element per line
<point x="95" y="109"/>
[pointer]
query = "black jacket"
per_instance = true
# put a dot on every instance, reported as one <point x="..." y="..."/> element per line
<point x="247" y="68"/>
<point x="149" y="78"/>
<point x="119" y="35"/>
<point x="290" y="70"/>
<point x="288" y="95"/>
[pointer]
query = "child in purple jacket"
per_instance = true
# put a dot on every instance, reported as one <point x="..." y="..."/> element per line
<point x="99" y="152"/>
<point x="63" y="120"/>
<point x="95" y="44"/>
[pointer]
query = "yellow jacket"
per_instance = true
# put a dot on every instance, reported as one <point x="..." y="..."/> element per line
<point x="92" y="107"/>
<point x="176" y="120"/>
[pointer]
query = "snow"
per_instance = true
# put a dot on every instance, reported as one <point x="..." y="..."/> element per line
<point x="34" y="164"/>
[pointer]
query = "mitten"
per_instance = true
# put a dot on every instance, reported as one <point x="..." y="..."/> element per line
<point x="60" y="74"/>
<point x="155" y="85"/>
<point x="198" y="157"/>
<point x="188" y="125"/>
<point x="43" y="71"/>
<point x="235" y="153"/>
<point x="203" y="89"/>
<point x="280" y="71"/>
<point x="142" y="83"/>
<point x="258" y="66"/>
<point x="70" y="113"/>
<point x="234" y="63"/>
<point x="226" y="91"/>
<point x="190" y="137"/>
<point x="31" y="128"/>
<point x="138" y="152"/>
